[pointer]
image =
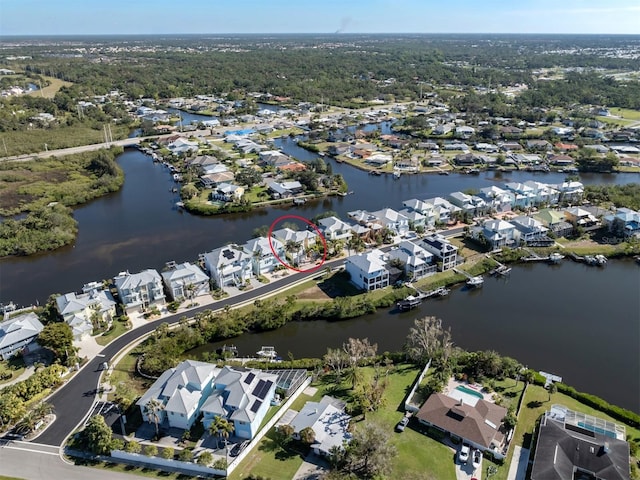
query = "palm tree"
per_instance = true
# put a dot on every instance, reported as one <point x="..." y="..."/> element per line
<point x="353" y="375"/>
<point x="221" y="428"/>
<point x="153" y="411"/>
<point x="553" y="388"/>
<point x="42" y="410"/>
<point x="292" y="247"/>
<point x="257" y="257"/>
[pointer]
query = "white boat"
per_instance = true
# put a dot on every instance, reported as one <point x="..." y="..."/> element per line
<point x="396" y="174"/>
<point x="601" y="260"/>
<point x="267" y="352"/>
<point x="590" y="260"/>
<point x="555" y="257"/>
<point x="475" y="282"/>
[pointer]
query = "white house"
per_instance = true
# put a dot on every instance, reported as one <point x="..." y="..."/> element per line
<point x="470" y="204"/>
<point x="416" y="261"/>
<point x="528" y="229"/>
<point x="80" y="310"/>
<point x="625" y="222"/>
<point x="182" y="391"/>
<point x="544" y="194"/>
<point x="263" y="259"/>
<point x="243" y="397"/>
<point x="185" y="280"/>
<point x="428" y="210"/>
<point x="524" y="196"/>
<point x="445" y="253"/>
<point x="18" y="333"/>
<point x="368" y="270"/>
<point x="391" y="219"/>
<point x="497" y="232"/>
<point x="497" y="198"/>
<point x="139" y="290"/>
<point x="570" y="192"/>
<point x="329" y="423"/>
<point x="335" y="229"/>
<point x="228" y="266"/>
<point x="182" y="145"/>
<point x="443" y="209"/>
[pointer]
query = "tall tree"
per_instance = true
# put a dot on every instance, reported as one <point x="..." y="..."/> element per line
<point x="58" y="337"/>
<point x="221" y="428"/>
<point x="370" y="453"/>
<point x="427" y="339"/>
<point x="97" y="435"/>
<point x="153" y="411"/>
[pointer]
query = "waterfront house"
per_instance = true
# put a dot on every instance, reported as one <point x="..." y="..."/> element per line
<point x="555" y="221"/>
<point x="185" y="281"/>
<point x="625" y="222"/>
<point x="428" y="210"/>
<point x="524" y="197"/>
<point x="444" y="252"/>
<point x="470" y="204"/>
<point x="228" y="192"/>
<point x="368" y="271"/>
<point x="539" y="145"/>
<point x="477" y="425"/>
<point x="560" y="160"/>
<point x="497" y="198"/>
<point x="529" y="230"/>
<point x="228" y="266"/>
<point x="242" y="396"/>
<point x="329" y="422"/>
<point x="443" y="129"/>
<point x="335" y="229"/>
<point x="362" y="217"/>
<point x="202" y="163"/>
<point x="464" y="132"/>
<point x="263" y="260"/>
<point x="543" y="194"/>
<point x="379" y="159"/>
<point x="497" y="233"/>
<point x="570" y="192"/>
<point x="274" y="158"/>
<point x="212" y="180"/>
<point x="443" y="209"/>
<point x="285" y="189"/>
<point x="391" y="219"/>
<point x="182" y="146"/>
<point x="139" y="291"/>
<point x="416" y="261"/>
<point x="580" y="218"/>
<point x="295" y="242"/>
<point x="181" y="391"/>
<point x="19" y="334"/>
<point x="416" y="219"/>
<point x="572" y="445"/>
<point x="81" y="311"/>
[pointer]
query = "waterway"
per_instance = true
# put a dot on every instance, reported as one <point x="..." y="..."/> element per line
<point x="140" y="227"/>
<point x="579" y="322"/>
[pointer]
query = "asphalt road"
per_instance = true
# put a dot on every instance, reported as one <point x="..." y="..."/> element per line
<point x="73" y="401"/>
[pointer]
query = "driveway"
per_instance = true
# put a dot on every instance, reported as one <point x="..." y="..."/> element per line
<point x="312" y="468"/>
<point x="466" y="471"/>
<point x="519" y="462"/>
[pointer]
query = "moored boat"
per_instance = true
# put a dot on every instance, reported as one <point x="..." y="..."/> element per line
<point x="555" y="257"/>
<point x="408" y="303"/>
<point x="601" y="260"/>
<point x="267" y="352"/>
<point x="475" y="282"/>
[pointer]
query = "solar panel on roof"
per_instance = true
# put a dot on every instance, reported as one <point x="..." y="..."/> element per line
<point x="257" y="388"/>
<point x="249" y="378"/>
<point x="256" y="406"/>
<point x="228" y="254"/>
<point x="265" y="389"/>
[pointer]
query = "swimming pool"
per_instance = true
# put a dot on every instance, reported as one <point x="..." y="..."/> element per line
<point x="469" y="391"/>
<point x="595" y="429"/>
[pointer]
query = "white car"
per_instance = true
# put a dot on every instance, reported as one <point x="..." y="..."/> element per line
<point x="463" y="454"/>
<point x="477" y="458"/>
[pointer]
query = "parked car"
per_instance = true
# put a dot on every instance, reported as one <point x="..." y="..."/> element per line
<point x="402" y="424"/>
<point x="477" y="458"/>
<point x="463" y="454"/>
<point x="238" y="447"/>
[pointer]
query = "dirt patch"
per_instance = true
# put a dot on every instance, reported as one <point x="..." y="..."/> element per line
<point x="314" y="293"/>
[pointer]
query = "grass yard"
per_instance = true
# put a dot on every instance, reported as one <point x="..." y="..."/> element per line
<point x="625" y="113"/>
<point x="50" y="90"/>
<point x="15" y="366"/>
<point x="117" y="329"/>
<point x="124" y="372"/>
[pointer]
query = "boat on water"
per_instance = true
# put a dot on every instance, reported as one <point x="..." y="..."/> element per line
<point x="590" y="260"/>
<point x="475" y="282"/>
<point x="375" y="172"/>
<point x="443" y="172"/>
<point x="555" y="257"/>
<point x="267" y="352"/>
<point x="396" y="175"/>
<point x="408" y="303"/>
<point x="601" y="260"/>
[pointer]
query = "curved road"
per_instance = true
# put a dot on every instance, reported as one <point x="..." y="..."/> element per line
<point x="73" y="401"/>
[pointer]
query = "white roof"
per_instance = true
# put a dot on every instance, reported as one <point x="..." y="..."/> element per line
<point x="329" y="423"/>
<point x="19" y="328"/>
<point x="369" y="262"/>
<point x="261" y="244"/>
<point x="126" y="280"/>
<point x="185" y="272"/>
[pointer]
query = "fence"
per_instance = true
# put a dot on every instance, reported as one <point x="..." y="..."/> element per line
<point x="408" y="406"/>
<point x="163" y="463"/>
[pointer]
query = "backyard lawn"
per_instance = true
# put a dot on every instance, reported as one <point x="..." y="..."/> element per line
<point x="117" y="329"/>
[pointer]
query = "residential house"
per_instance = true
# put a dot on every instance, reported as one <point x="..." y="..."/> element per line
<point x="285" y="189"/>
<point x="497" y="199"/>
<point x="139" y="291"/>
<point x="182" y="146"/>
<point x="335" y="229"/>
<point x="427" y="210"/>
<point x="329" y="422"/>
<point x="296" y="242"/>
<point x="497" y="233"/>
<point x="363" y="217"/>
<point x="416" y="219"/>
<point x="528" y="230"/>
<point x="185" y="281"/>
<point x="368" y="270"/>
<point x="539" y="145"/>
<point x="543" y="194"/>
<point x="416" y="261"/>
<point x="566" y="147"/>
<point x="524" y="196"/>
<point x="83" y="310"/>
<point x="456" y="146"/>
<point x="19" y="334"/>
<point x="263" y="258"/>
<point x="580" y="218"/>
<point x="181" y="391"/>
<point x="465" y="132"/>
<point x="228" y="192"/>
<point x="443" y="209"/>
<point x="570" y="192"/>
<point x="572" y="445"/>
<point x="625" y="222"/>
<point x="555" y="221"/>
<point x="475" y="425"/>
<point x="560" y="160"/>
<point x="379" y="159"/>
<point x="470" y="204"/>
<point x="391" y="219"/>
<point x="202" y="162"/>
<point x="228" y="266"/>
<point x="274" y="158"/>
<point x="243" y="397"/>
<point x="486" y="147"/>
<point x="526" y="158"/>
<point x="444" y="252"/>
<point x="443" y="129"/>
<point x="212" y="180"/>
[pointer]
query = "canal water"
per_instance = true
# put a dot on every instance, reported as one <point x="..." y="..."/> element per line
<point x="140" y="227"/>
<point x="578" y="322"/>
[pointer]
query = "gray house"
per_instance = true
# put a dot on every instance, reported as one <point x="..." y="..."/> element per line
<point x="18" y="333"/>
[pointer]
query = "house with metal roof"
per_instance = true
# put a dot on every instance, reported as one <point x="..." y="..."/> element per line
<point x="18" y="333"/>
<point x="242" y="396"/>
<point x="416" y="261"/>
<point x="263" y="258"/>
<point x="80" y="310"/>
<point x="335" y="229"/>
<point x="185" y="280"/>
<point x="228" y="265"/>
<point x="368" y="270"/>
<point x="446" y="254"/>
<point x="138" y="291"/>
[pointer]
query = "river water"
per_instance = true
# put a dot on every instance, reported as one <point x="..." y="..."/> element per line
<point x="140" y="227"/>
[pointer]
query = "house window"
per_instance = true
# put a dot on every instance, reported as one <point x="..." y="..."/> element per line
<point x="182" y="414"/>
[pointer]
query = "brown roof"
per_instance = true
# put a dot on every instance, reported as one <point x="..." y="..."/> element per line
<point x="465" y="421"/>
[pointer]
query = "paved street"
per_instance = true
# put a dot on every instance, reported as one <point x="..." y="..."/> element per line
<point x="35" y="462"/>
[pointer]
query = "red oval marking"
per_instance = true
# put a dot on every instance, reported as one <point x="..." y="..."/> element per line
<point x="315" y="227"/>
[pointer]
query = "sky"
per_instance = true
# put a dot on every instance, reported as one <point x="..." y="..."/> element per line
<point x="82" y="17"/>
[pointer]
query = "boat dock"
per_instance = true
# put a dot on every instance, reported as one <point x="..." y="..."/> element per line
<point x="472" y="281"/>
<point x="500" y="269"/>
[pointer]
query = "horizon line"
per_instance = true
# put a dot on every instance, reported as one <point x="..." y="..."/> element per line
<point x="306" y="33"/>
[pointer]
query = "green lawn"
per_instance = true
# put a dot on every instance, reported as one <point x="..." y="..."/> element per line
<point x="116" y="330"/>
<point x="625" y="113"/>
<point x="15" y="366"/>
<point x="145" y="472"/>
<point x="124" y="372"/>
